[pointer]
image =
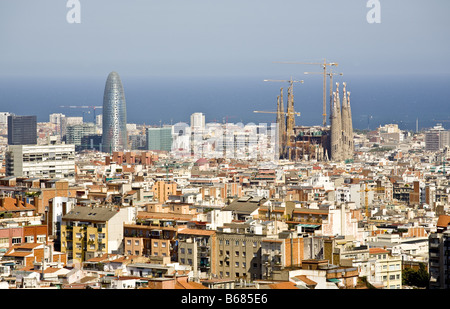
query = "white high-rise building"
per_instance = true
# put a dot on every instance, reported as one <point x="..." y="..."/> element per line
<point x="4" y="118"/>
<point x="52" y="161"/>
<point x="197" y="122"/>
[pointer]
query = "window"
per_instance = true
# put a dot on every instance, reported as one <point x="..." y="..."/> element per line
<point x="189" y="251"/>
<point x="237" y="242"/>
<point x="155" y="244"/>
<point x="136" y="242"/>
<point x="163" y="244"/>
<point x="16" y="240"/>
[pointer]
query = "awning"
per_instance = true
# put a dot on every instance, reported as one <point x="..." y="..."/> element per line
<point x="334" y="280"/>
<point x="309" y="225"/>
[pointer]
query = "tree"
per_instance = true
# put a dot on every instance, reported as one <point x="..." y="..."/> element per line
<point x="418" y="278"/>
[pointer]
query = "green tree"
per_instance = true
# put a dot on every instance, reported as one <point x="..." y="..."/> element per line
<point x="418" y="278"/>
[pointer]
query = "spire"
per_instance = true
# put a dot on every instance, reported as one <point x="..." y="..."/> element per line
<point x="281" y="123"/>
<point x="345" y="124"/>
<point x="336" y="128"/>
<point x="344" y="98"/>
<point x="350" y="128"/>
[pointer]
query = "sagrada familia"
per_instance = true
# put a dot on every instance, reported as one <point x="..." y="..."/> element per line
<point x="341" y="141"/>
<point x="324" y="143"/>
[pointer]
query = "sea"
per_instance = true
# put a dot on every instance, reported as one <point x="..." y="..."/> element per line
<point x="414" y="102"/>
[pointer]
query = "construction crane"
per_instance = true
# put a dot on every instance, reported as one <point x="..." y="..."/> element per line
<point x="83" y="106"/>
<point x="269" y="112"/>
<point x="330" y="74"/>
<point x="324" y="66"/>
<point x="366" y="197"/>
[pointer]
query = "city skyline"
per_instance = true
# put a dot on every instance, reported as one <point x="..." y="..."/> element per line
<point x="198" y="56"/>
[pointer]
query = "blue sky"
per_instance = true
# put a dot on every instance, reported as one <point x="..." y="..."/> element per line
<point x="221" y="38"/>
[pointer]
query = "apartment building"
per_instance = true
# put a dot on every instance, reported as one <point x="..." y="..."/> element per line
<point x="197" y="248"/>
<point x="286" y="250"/>
<point x="51" y="161"/>
<point x="163" y="189"/>
<point x="238" y="253"/>
<point x="439" y="248"/>
<point x="388" y="268"/>
<point x="88" y="232"/>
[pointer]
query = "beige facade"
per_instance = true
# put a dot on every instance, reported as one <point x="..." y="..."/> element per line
<point x="196" y="248"/>
<point x="388" y="268"/>
<point x="239" y="256"/>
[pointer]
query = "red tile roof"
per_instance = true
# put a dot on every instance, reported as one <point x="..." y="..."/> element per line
<point x="13" y="204"/>
<point x="377" y="251"/>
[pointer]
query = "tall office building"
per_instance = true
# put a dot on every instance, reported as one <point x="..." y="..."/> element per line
<point x="437" y="138"/>
<point x="114" y="135"/>
<point x="22" y="130"/>
<point x="159" y="138"/>
<point x="76" y="132"/>
<point x="197" y="122"/>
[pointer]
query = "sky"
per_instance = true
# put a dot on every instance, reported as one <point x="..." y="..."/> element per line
<point x="221" y="38"/>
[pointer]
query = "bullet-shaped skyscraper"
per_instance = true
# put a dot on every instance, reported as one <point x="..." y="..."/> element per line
<point x="114" y="136"/>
